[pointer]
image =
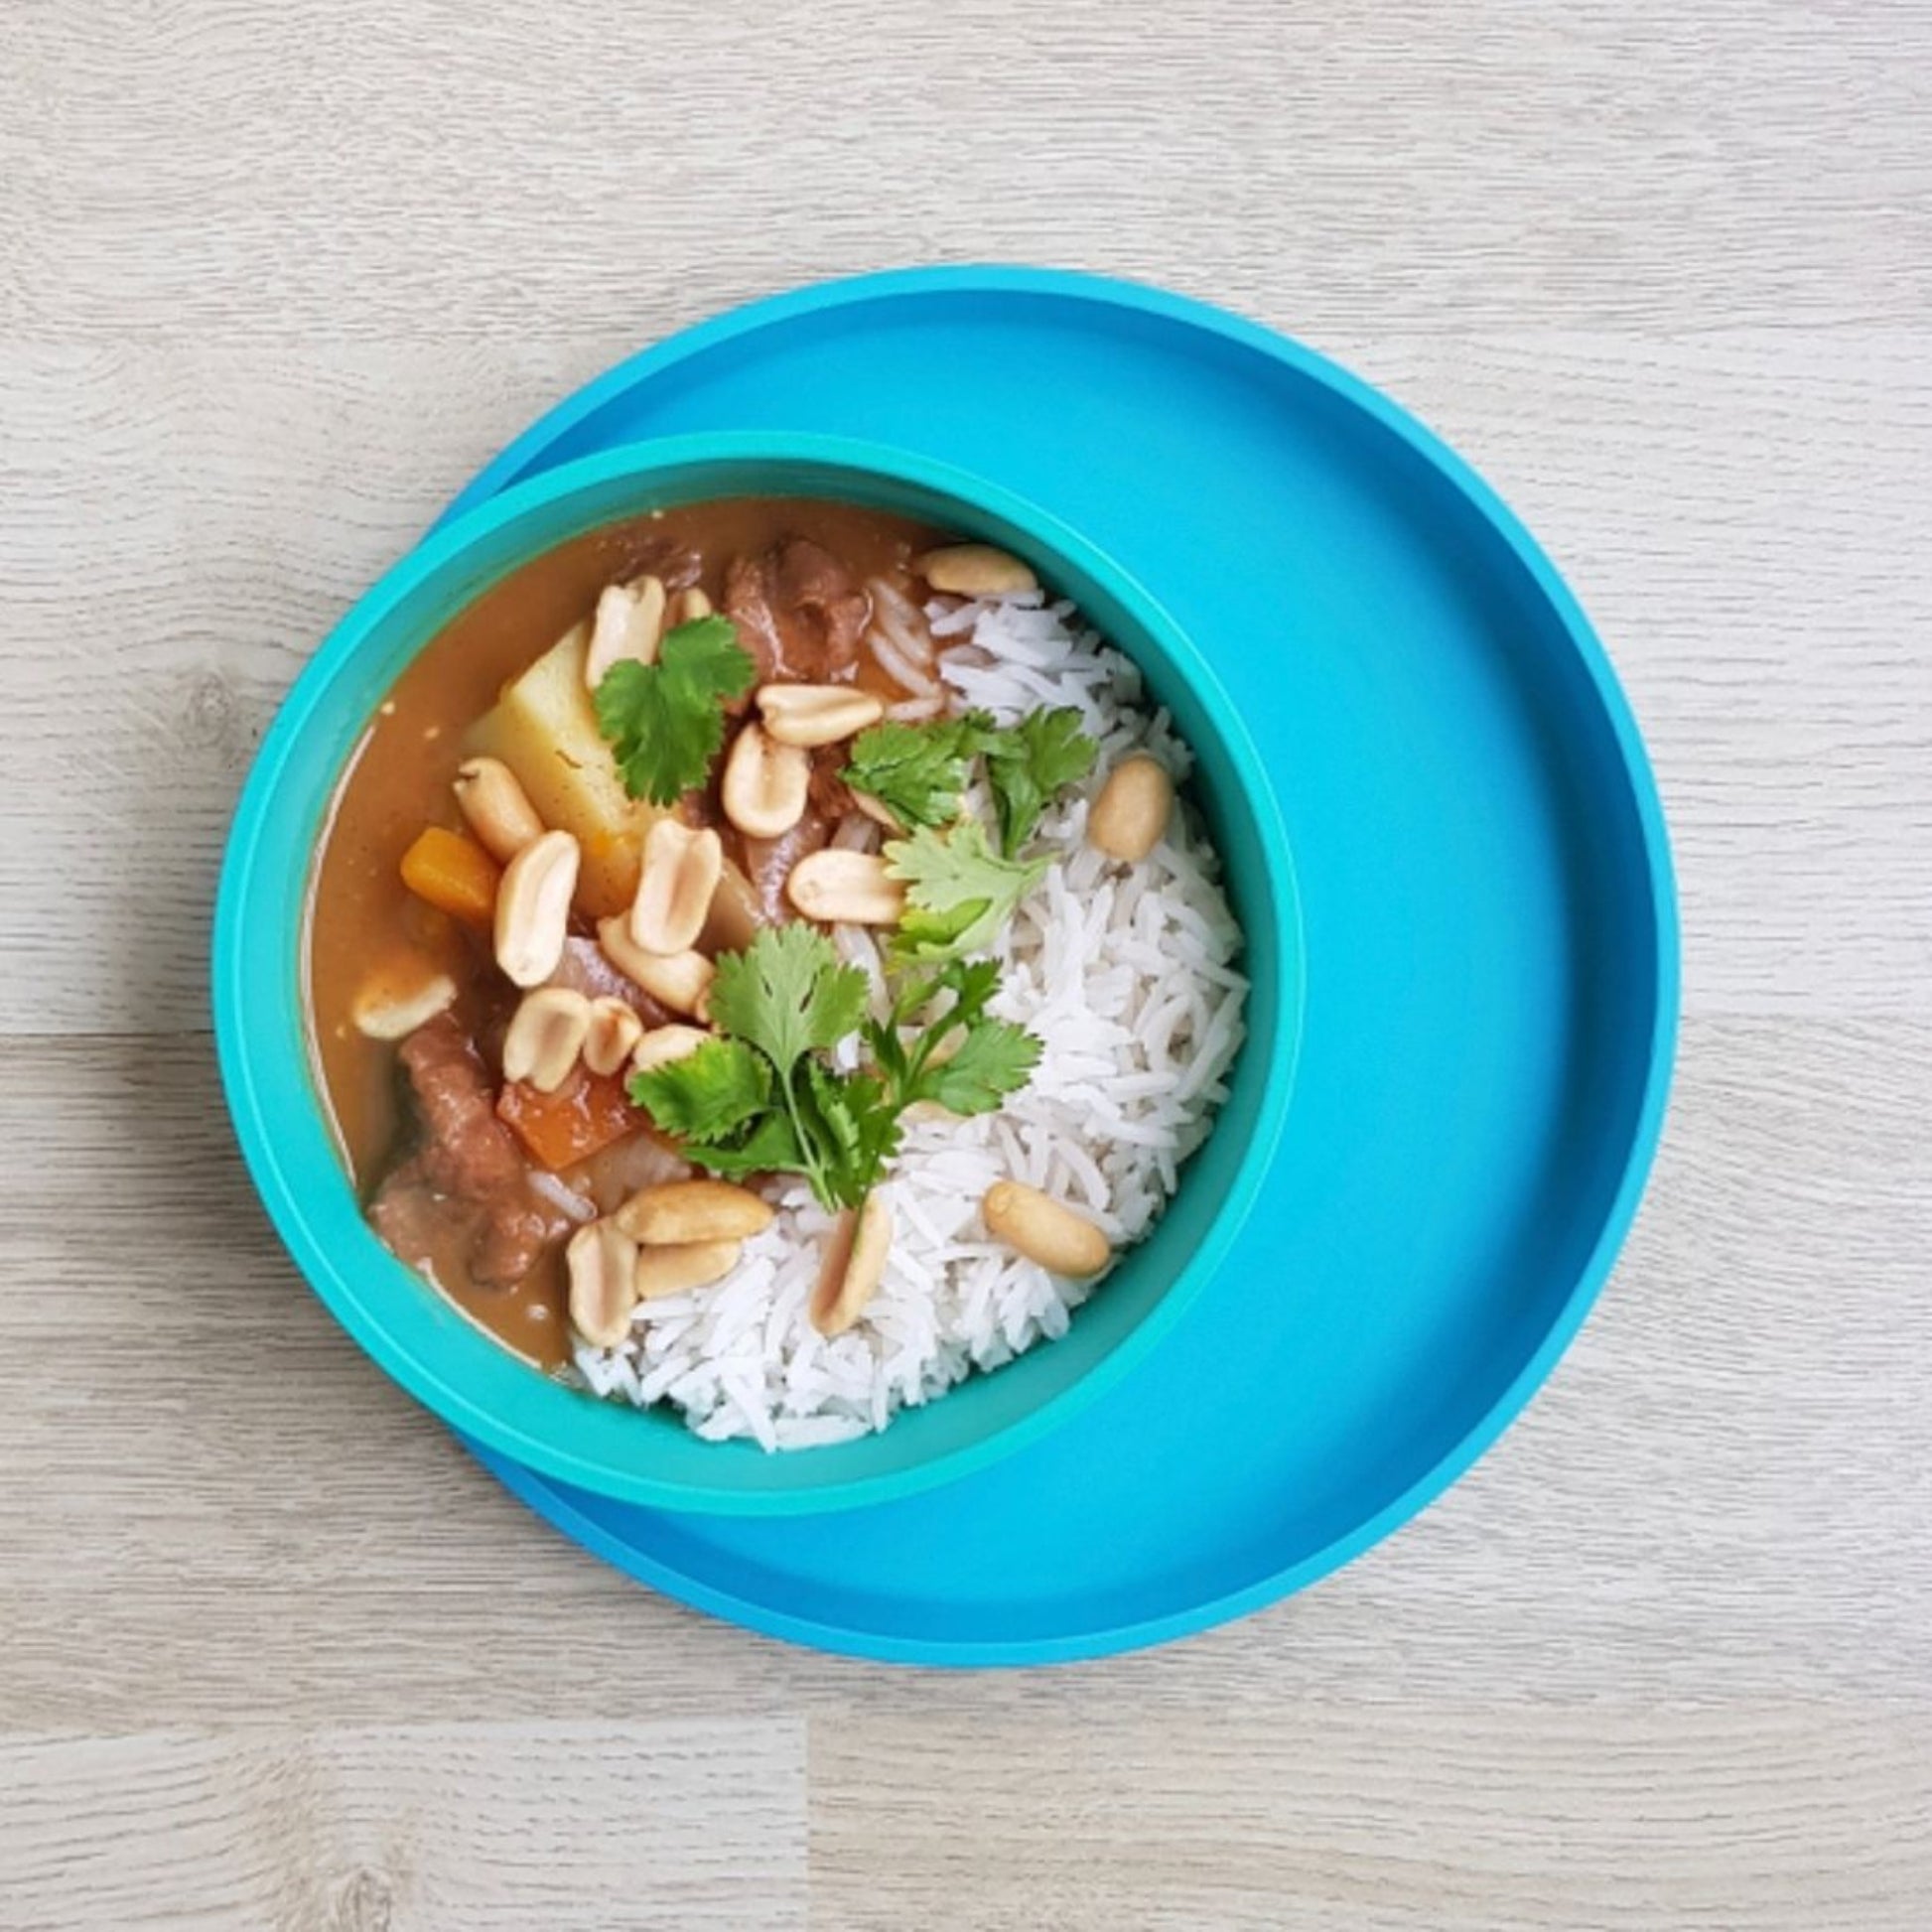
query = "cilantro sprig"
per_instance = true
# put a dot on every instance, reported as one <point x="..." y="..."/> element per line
<point x="919" y="772"/>
<point x="788" y="994"/>
<point x="959" y="891"/>
<point x="666" y="721"/>
<point x="963" y="1061"/>
<point x="916" y="772"/>
<point x="1028" y="765"/>
<point x="765" y="1097"/>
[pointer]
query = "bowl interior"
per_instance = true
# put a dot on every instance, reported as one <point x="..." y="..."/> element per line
<point x="424" y="1341"/>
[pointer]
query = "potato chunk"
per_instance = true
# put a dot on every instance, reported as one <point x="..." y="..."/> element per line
<point x="544" y="729"/>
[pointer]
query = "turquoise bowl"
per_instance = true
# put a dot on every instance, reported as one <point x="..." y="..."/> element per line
<point x="422" y="1340"/>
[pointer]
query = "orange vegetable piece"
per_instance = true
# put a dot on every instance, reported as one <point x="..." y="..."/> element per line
<point x="608" y="882"/>
<point x="587" y="1112"/>
<point x="454" y="874"/>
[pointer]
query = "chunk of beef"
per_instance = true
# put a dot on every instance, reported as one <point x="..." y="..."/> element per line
<point x="798" y="612"/>
<point x="467" y="1152"/>
<point x="828" y="794"/>
<point x="511" y="1237"/>
<point x="748" y="602"/>
<point x="465" y="1194"/>
<point x="675" y="565"/>
<point x="821" y="603"/>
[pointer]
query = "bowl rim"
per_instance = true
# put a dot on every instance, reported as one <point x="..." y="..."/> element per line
<point x="241" y="1006"/>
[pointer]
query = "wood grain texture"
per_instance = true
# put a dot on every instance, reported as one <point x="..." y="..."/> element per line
<point x="228" y="169"/>
<point x="603" y="1826"/>
<point x="1298" y="1819"/>
<point x="273" y="1652"/>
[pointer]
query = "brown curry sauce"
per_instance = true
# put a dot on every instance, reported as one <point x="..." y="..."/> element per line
<point x="399" y="778"/>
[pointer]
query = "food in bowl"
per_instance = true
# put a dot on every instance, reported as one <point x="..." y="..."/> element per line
<point x="762" y="959"/>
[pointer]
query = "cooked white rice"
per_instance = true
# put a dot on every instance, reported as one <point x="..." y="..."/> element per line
<point x="1126" y="975"/>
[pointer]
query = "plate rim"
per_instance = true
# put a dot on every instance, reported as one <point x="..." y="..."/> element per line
<point x="776" y="310"/>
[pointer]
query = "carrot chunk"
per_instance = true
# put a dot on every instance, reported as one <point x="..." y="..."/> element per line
<point x="587" y="1112"/>
<point x="454" y="874"/>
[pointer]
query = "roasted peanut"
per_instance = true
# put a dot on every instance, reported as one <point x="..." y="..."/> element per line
<point x="533" y="907"/>
<point x="839" y="888"/>
<point x="678" y="980"/>
<point x="693" y="1264"/>
<point x="811" y="715"/>
<point x="603" y="1263"/>
<point x="764" y="784"/>
<point x="680" y="873"/>
<point x="663" y="1044"/>
<point x="1132" y="811"/>
<point x="676" y="1213"/>
<point x="614" y="1030"/>
<point x="629" y="623"/>
<point x="687" y="607"/>
<point x="975" y="570"/>
<point x="1043" y="1230"/>
<point x="397" y="999"/>
<point x="546" y="1034"/>
<point x="492" y="800"/>
<point x="855" y="1260"/>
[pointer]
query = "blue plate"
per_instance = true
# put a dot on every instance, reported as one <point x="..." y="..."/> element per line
<point x="1490" y="937"/>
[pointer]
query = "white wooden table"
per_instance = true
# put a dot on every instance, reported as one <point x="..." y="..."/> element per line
<point x="273" y="1653"/>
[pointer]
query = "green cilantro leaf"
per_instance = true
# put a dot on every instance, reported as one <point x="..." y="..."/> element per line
<point x="771" y="1147"/>
<point x="832" y="1113"/>
<point x="972" y="983"/>
<point x="708" y="1095"/>
<point x="956" y="1056"/>
<point x="1028" y="762"/>
<point x="920" y="771"/>
<point x="925" y="934"/>
<point x="993" y="1060"/>
<point x="763" y="1098"/>
<point x="666" y="721"/>
<point x="855" y="1125"/>
<point x="788" y="994"/>
<point x="959" y="891"/>
<point x="759" y="1100"/>
<point x="916" y="772"/>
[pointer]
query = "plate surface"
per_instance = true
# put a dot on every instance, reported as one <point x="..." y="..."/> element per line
<point x="1490" y="941"/>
